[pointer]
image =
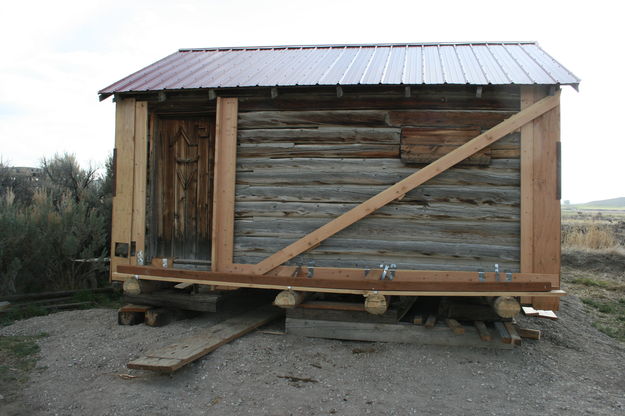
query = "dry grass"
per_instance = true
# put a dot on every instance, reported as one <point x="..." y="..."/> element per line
<point x="593" y="231"/>
<point x="593" y="248"/>
<point x="589" y="236"/>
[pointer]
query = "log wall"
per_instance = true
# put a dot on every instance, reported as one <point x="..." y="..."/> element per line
<point x="298" y="169"/>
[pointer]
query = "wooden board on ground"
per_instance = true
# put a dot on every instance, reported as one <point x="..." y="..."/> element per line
<point x="398" y="332"/>
<point x="430" y="322"/>
<point x="134" y="308"/>
<point x="131" y="314"/>
<point x="483" y="331"/>
<point x="503" y="333"/>
<point x="529" y="311"/>
<point x="548" y="315"/>
<point x="173" y="357"/>
<point x="514" y="335"/>
<point x="389" y="317"/>
<point x="529" y="333"/>
<point x="455" y="326"/>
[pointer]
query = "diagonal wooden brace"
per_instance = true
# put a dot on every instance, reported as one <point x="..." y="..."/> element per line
<point x="407" y="184"/>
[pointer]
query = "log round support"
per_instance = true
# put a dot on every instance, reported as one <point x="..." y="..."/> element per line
<point x="376" y="304"/>
<point x="289" y="299"/>
<point x="505" y="306"/>
<point x="134" y="287"/>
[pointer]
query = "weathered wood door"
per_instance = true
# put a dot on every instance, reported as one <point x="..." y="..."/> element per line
<point x="184" y="187"/>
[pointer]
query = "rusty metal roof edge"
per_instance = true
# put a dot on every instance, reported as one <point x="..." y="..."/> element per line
<point x="106" y="92"/>
<point x="353" y="45"/>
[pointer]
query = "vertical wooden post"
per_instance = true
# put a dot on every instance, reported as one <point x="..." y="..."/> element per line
<point x="540" y="205"/>
<point x="527" y="186"/>
<point x="140" y="179"/>
<point x="122" y="200"/>
<point x="128" y="222"/>
<point x="225" y="176"/>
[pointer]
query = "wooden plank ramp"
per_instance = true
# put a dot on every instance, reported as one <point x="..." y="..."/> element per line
<point x="397" y="332"/>
<point x="175" y="356"/>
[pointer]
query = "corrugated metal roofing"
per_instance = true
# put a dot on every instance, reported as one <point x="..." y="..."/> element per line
<point x="475" y="63"/>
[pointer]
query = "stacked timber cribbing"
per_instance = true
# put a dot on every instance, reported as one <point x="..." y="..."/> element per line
<point x="298" y="169"/>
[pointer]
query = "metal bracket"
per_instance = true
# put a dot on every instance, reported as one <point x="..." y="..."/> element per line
<point x="481" y="276"/>
<point x="164" y="263"/>
<point x="311" y="269"/>
<point x="297" y="270"/>
<point x="388" y="270"/>
<point x="497" y="272"/>
<point x="508" y="276"/>
<point x="140" y="260"/>
<point x="392" y="269"/>
<point x="384" y="268"/>
<point x="366" y="272"/>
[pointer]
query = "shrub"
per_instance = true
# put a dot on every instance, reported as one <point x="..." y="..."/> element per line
<point x="65" y="219"/>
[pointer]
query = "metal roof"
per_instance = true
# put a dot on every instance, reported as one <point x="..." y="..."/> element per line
<point x="473" y="63"/>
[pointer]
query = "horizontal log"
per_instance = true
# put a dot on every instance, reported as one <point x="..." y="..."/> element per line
<point x="355" y="164"/>
<point x="371" y="118"/>
<point x="426" y="144"/>
<point x="387" y="229"/>
<point x="294" y="119"/>
<point x="398" y="210"/>
<point x="339" y="172"/>
<point x="424" y="194"/>
<point x="338" y="247"/>
<point x="459" y="118"/>
<point x="425" y="154"/>
<point x="321" y="135"/>
<point x="330" y="151"/>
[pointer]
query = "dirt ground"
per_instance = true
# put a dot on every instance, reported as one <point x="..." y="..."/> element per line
<point x="81" y="370"/>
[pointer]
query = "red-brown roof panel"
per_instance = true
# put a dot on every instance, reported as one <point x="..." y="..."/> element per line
<point x="478" y="63"/>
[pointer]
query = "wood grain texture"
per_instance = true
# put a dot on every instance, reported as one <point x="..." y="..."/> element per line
<point x="426" y="144"/>
<point x="339" y="283"/>
<point x="540" y="207"/>
<point x="124" y="178"/>
<point x="527" y="183"/>
<point x="175" y="356"/>
<point x="225" y="176"/>
<point x="183" y="194"/>
<point x="140" y="166"/>
<point x="407" y="184"/>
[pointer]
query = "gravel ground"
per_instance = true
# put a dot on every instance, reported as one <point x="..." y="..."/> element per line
<point x="573" y="370"/>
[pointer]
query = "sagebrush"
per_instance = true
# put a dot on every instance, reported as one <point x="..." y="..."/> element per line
<point x="49" y="223"/>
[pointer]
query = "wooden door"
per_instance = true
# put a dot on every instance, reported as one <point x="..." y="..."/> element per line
<point x="184" y="187"/>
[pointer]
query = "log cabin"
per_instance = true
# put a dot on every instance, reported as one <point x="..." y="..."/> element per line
<point x="425" y="169"/>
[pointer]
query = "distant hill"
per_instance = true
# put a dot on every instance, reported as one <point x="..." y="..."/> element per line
<point x="614" y="203"/>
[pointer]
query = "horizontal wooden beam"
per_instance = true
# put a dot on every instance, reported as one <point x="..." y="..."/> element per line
<point x="407" y="184"/>
<point x="551" y="293"/>
<point x="400" y="274"/>
<point x="251" y="280"/>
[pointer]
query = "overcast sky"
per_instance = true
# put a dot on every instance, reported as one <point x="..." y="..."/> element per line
<point x="57" y="55"/>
